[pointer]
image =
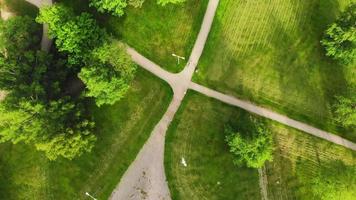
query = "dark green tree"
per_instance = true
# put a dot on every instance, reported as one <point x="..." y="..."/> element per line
<point x="340" y="38"/>
<point x="252" y="149"/>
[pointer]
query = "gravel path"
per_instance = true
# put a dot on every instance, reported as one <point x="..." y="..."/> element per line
<point x="145" y="178"/>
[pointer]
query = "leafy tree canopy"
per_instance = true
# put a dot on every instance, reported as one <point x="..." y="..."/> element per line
<point x="75" y="35"/>
<point x="109" y="75"/>
<point x="340" y="37"/>
<point x="36" y="110"/>
<point x="251" y="149"/>
<point x="115" y="7"/>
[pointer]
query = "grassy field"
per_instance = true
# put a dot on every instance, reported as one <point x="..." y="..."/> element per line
<point x="121" y="130"/>
<point x="157" y="31"/>
<point x="298" y="157"/>
<point x="154" y="31"/>
<point x="269" y="52"/>
<point x="197" y="134"/>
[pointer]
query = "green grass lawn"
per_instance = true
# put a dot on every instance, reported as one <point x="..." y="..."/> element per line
<point x="122" y="129"/>
<point x="157" y="32"/>
<point x="197" y="134"/>
<point x="269" y="52"/>
<point x="298" y="158"/>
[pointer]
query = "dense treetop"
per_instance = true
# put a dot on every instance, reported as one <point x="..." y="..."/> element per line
<point x="252" y="148"/>
<point x="340" y="37"/>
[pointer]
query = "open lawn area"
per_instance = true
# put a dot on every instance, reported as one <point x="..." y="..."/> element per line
<point x="155" y="31"/>
<point x="122" y="129"/>
<point x="298" y="158"/>
<point x="197" y="135"/>
<point x="269" y="52"/>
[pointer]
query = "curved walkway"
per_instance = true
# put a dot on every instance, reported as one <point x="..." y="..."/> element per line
<point x="145" y="178"/>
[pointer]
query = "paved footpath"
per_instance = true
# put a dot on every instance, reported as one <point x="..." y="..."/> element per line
<point x="145" y="178"/>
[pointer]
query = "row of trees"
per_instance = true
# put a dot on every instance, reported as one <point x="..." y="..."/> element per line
<point x="116" y="7"/>
<point x="40" y="107"/>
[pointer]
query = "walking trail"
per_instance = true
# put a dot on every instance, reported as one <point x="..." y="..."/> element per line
<point x="145" y="178"/>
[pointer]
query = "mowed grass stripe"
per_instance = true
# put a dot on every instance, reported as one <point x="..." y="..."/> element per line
<point x="269" y="52"/>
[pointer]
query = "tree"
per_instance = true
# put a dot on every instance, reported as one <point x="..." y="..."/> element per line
<point x="334" y="181"/>
<point x="115" y="7"/>
<point x="75" y="35"/>
<point x="345" y="110"/>
<point x="165" y="2"/>
<point x="109" y="75"/>
<point x="251" y="149"/>
<point x="59" y="128"/>
<point x="18" y="34"/>
<point x="340" y="38"/>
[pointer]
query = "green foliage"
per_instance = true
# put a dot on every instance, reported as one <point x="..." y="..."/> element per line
<point x="109" y="75"/>
<point x="340" y="37"/>
<point x="59" y="128"/>
<point x="115" y="7"/>
<point x="17" y="35"/>
<point x="165" y="2"/>
<point x="345" y="110"/>
<point x="37" y="110"/>
<point x="75" y="35"/>
<point x="335" y="181"/>
<point x="251" y="149"/>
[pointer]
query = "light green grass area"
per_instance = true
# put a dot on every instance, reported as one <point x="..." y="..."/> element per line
<point x="122" y="129"/>
<point x="157" y="32"/>
<point x="298" y="158"/>
<point x="197" y="134"/>
<point x="269" y="52"/>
